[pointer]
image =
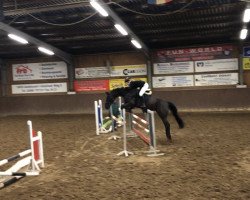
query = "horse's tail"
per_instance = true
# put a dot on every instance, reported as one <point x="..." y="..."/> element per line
<point x="174" y="111"/>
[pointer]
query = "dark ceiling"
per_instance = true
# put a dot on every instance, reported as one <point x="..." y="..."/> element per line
<point x="74" y="26"/>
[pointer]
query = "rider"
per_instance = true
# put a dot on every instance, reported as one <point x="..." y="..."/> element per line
<point x="137" y="84"/>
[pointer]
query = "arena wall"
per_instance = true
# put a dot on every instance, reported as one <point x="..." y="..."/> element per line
<point x="187" y="100"/>
<point x="217" y="98"/>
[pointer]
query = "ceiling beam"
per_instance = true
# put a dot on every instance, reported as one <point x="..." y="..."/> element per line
<point x="118" y="20"/>
<point x="59" y="53"/>
<point x="1" y="11"/>
<point x="48" y="8"/>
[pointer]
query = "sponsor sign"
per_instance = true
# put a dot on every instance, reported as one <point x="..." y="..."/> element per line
<point x="116" y="83"/>
<point x="174" y="67"/>
<point x="129" y="70"/>
<point x="39" y="88"/>
<point x="246" y="63"/>
<point x="38" y="71"/>
<point x="157" y="2"/>
<point x="91" y="72"/>
<point x="216" y="65"/>
<point x="196" y="53"/>
<point x="173" y="81"/>
<point x="216" y="79"/>
<point x="91" y="85"/>
<point x="246" y="51"/>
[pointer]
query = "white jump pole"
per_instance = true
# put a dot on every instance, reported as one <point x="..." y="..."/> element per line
<point x="97" y="118"/>
<point x="114" y="136"/>
<point x="125" y="151"/>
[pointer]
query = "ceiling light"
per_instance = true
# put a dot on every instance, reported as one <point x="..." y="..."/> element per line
<point x="246" y="16"/>
<point x="98" y="7"/>
<point x="136" y="44"/>
<point x="121" y="29"/>
<point x="243" y="33"/>
<point x="47" y="51"/>
<point x="18" y="39"/>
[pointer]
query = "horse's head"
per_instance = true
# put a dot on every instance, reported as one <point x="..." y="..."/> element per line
<point x="109" y="100"/>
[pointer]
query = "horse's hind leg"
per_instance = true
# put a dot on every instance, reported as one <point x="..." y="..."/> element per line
<point x="163" y="114"/>
<point x="166" y="124"/>
<point x="167" y="129"/>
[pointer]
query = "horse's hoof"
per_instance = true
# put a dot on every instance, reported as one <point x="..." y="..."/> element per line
<point x="169" y="141"/>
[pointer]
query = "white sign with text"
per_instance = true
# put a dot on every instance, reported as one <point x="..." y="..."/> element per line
<point x="129" y="70"/>
<point x="38" y="71"/>
<point x="39" y="88"/>
<point x="174" y="67"/>
<point x="91" y="72"/>
<point x="173" y="81"/>
<point x="216" y="79"/>
<point x="216" y="65"/>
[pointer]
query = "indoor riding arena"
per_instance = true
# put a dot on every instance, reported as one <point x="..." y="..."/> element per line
<point x="71" y="127"/>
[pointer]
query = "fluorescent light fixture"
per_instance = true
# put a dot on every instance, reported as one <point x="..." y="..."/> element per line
<point x="243" y="33"/>
<point x="18" y="39"/>
<point x="47" y="51"/>
<point x="98" y="7"/>
<point x="121" y="29"/>
<point x="136" y="44"/>
<point x="246" y="16"/>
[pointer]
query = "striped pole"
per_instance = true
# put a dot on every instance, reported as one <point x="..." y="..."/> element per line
<point x="22" y="154"/>
<point x="10" y="181"/>
<point x="35" y="173"/>
<point x="150" y="129"/>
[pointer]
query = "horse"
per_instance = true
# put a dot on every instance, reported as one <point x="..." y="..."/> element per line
<point x="132" y="100"/>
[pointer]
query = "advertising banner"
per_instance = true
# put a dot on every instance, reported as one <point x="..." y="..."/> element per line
<point x="174" y="67"/>
<point x="216" y="65"/>
<point x="39" y="88"/>
<point x="116" y="83"/>
<point x="91" y="85"/>
<point x="38" y="71"/>
<point x="91" y="72"/>
<point x="246" y="63"/>
<point x="173" y="81"/>
<point x="216" y="79"/>
<point x="196" y="53"/>
<point x="129" y="70"/>
<point x="246" y="51"/>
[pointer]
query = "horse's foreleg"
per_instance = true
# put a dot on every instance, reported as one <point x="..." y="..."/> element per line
<point x="127" y="106"/>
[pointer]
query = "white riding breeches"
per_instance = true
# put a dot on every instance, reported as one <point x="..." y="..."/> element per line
<point x="143" y="89"/>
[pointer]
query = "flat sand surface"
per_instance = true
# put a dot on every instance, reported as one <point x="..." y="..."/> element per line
<point x="208" y="160"/>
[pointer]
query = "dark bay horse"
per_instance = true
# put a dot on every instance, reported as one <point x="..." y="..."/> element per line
<point x="130" y="97"/>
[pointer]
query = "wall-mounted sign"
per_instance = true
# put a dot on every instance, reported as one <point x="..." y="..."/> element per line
<point x="39" y="88"/>
<point x="116" y="83"/>
<point x="129" y="70"/>
<point x="196" y="53"/>
<point x="38" y="71"/>
<point x="216" y="65"/>
<point x="246" y="63"/>
<point x="246" y="51"/>
<point x="173" y="81"/>
<point x="91" y="85"/>
<point x="174" y="67"/>
<point x="216" y="79"/>
<point x="91" y="72"/>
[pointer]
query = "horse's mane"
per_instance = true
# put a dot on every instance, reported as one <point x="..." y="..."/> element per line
<point x="121" y="91"/>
